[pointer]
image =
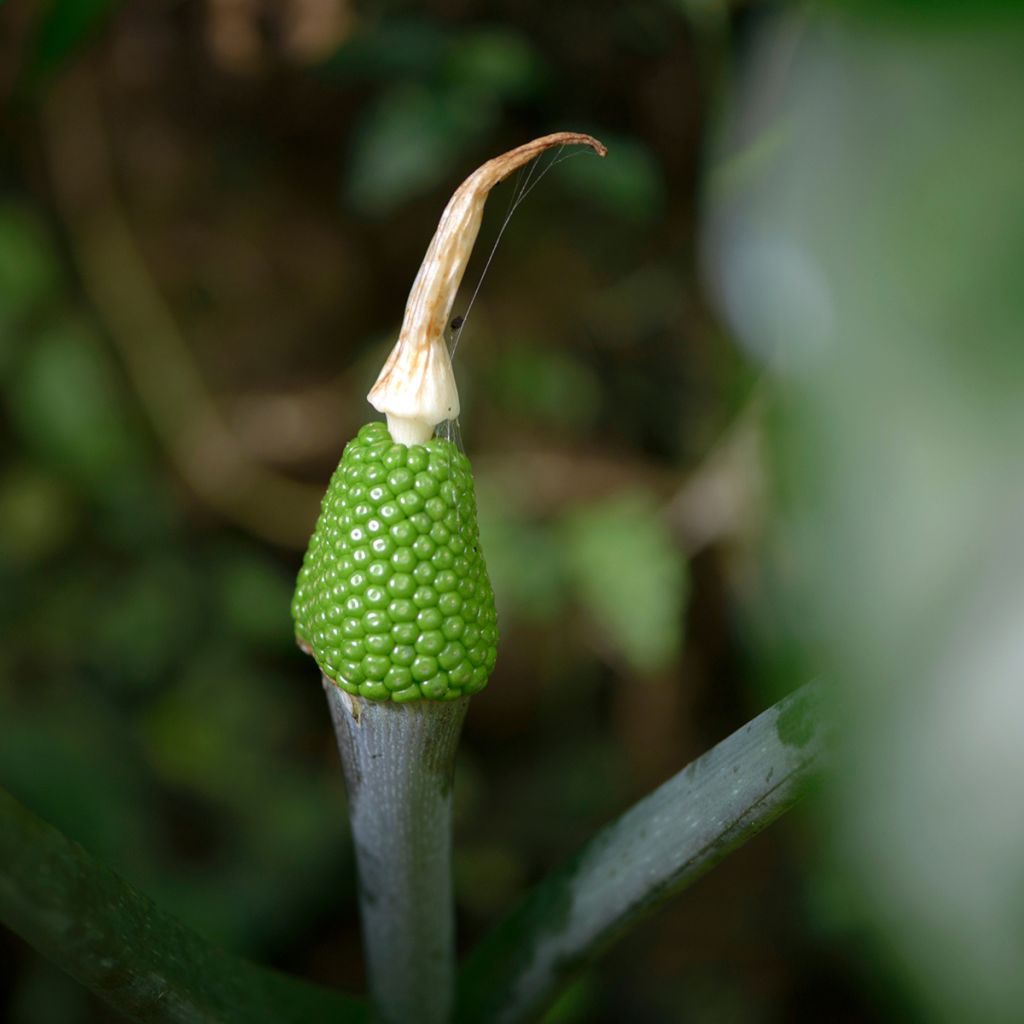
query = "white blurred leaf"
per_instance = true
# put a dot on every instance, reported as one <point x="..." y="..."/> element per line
<point x="873" y="265"/>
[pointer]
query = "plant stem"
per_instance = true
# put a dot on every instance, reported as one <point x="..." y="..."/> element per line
<point x="657" y="848"/>
<point x="398" y="761"/>
<point x="141" y="960"/>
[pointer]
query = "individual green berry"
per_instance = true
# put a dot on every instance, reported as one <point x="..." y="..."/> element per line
<point x="393" y="598"/>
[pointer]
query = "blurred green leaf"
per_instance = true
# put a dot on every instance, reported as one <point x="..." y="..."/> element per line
<point x="67" y="406"/>
<point x="394" y="48"/>
<point x="409" y="141"/>
<point x="37" y="515"/>
<point x="255" y="599"/>
<point x="140" y="510"/>
<point x="73" y="762"/>
<point x="630" y="575"/>
<point x="496" y="60"/>
<point x="525" y="559"/>
<point x="577" y="1004"/>
<point x="210" y="732"/>
<point x="626" y="183"/>
<point x="146" y="621"/>
<point x="442" y="97"/>
<point x="701" y="10"/>
<point x="66" y="25"/>
<point x="486" y="878"/>
<point x="222" y="736"/>
<point x="47" y="994"/>
<point x="914" y="13"/>
<point x="29" y="274"/>
<point x="544" y="383"/>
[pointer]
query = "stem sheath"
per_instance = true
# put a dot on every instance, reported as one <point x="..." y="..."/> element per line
<point x="398" y="761"/>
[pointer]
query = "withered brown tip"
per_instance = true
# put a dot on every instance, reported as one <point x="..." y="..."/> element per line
<point x="416" y="387"/>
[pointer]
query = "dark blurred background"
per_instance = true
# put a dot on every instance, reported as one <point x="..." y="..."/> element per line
<point x="211" y="213"/>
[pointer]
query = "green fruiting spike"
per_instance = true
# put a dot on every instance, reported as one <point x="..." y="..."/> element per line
<point x="393" y="599"/>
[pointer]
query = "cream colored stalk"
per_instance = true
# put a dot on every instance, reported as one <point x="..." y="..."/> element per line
<point x="416" y="388"/>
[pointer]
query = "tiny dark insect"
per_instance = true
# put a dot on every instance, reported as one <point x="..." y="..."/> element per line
<point x="458" y="322"/>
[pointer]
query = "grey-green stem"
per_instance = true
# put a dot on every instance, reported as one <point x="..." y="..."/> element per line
<point x="657" y="848"/>
<point x="398" y="761"/>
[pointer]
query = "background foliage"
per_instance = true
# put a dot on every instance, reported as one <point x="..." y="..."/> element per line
<point x="743" y="402"/>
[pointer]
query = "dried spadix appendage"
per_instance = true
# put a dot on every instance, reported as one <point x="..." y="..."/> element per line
<point x="416" y="388"/>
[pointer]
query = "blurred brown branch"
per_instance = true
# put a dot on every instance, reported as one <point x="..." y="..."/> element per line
<point x="139" y="322"/>
<point x="308" y="30"/>
<point x="723" y="499"/>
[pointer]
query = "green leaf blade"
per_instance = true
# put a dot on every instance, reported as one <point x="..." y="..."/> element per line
<point x="118" y="943"/>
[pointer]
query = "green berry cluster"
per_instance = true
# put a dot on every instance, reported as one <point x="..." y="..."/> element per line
<point x="393" y="598"/>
